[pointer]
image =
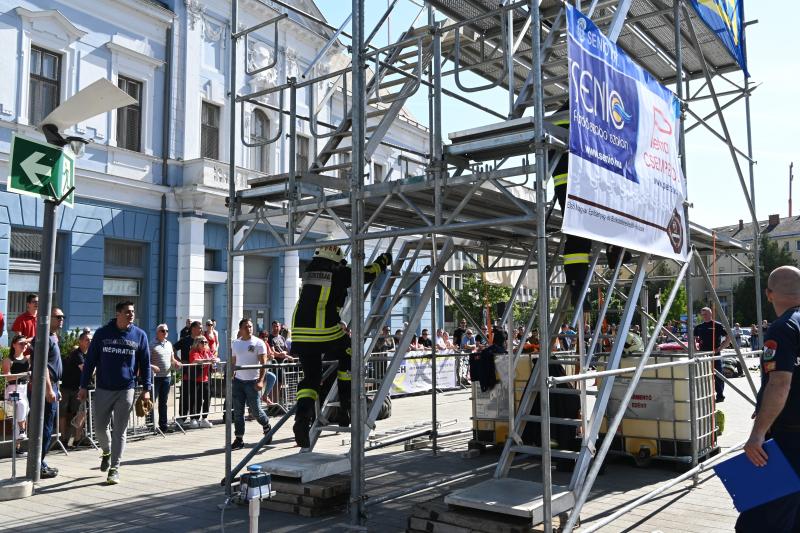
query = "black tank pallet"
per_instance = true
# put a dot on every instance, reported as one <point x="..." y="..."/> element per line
<point x="316" y="498"/>
<point x="437" y="517"/>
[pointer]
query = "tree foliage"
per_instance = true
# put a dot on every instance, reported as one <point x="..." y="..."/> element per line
<point x="679" y="305"/>
<point x="744" y="294"/>
<point x="476" y="294"/>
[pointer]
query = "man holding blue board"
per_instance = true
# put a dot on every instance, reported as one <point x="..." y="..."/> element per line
<point x="778" y="408"/>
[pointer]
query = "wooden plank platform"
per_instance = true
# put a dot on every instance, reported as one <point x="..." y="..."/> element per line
<point x="437" y="517"/>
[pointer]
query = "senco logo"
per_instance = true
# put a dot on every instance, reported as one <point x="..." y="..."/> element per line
<point x="581" y="29"/>
<point x="597" y="98"/>
<point x="619" y="117"/>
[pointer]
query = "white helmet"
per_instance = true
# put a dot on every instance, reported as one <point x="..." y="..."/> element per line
<point x="333" y="253"/>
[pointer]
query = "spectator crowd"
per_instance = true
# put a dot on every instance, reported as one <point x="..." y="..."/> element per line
<point x="193" y="359"/>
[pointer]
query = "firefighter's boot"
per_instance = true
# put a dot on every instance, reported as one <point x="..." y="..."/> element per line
<point x="302" y="422"/>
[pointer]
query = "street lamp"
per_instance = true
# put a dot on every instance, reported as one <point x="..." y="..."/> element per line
<point x="101" y="96"/>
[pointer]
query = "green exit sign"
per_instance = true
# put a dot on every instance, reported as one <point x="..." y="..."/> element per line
<point x="40" y="169"/>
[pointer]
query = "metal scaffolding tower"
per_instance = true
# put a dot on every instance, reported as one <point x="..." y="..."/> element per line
<point x="468" y="201"/>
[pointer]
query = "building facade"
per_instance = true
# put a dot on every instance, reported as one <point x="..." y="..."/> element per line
<point x="150" y="220"/>
<point x="729" y="270"/>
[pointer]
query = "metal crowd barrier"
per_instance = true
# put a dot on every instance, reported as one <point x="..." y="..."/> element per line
<point x="9" y="426"/>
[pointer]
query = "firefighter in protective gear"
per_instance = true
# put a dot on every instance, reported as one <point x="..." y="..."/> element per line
<point x="576" y="249"/>
<point x="316" y="333"/>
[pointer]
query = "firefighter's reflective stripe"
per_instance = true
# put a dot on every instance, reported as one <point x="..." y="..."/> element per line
<point x="372" y="268"/>
<point x="560" y="179"/>
<point x="317" y="335"/>
<point x="569" y="259"/>
<point x="344" y="375"/>
<point x="307" y="393"/>
<point x="324" y="294"/>
<point x="562" y="122"/>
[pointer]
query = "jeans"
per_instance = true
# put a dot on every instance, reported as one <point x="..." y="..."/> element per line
<point x="201" y="397"/>
<point x="161" y="392"/>
<point x="719" y="385"/>
<point x="244" y="392"/>
<point x="48" y="424"/>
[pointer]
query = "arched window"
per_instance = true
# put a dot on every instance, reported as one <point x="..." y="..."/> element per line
<point x="259" y="132"/>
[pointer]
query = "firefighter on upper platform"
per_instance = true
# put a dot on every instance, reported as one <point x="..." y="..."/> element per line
<point x="576" y="249"/>
<point x="317" y="335"/>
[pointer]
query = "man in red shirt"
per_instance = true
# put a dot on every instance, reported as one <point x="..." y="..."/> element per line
<point x="25" y="324"/>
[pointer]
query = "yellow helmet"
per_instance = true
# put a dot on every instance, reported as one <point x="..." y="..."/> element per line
<point x="333" y="253"/>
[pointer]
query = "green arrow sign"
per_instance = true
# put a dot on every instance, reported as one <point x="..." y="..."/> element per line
<point x="40" y="169"/>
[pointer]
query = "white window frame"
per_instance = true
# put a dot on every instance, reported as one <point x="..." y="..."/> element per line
<point x="135" y="65"/>
<point x="51" y="30"/>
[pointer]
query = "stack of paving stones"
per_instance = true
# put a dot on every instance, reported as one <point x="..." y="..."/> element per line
<point x="437" y="517"/>
<point x="317" y="498"/>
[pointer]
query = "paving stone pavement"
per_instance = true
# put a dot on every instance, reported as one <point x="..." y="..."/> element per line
<point x="171" y="484"/>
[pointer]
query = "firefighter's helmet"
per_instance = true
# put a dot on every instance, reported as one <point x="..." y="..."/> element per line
<point x="333" y="253"/>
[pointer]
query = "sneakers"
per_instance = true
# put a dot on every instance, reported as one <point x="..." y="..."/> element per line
<point x="21" y="452"/>
<point x="48" y="473"/>
<point x="237" y="444"/>
<point x="267" y="429"/>
<point x="105" y="461"/>
<point x="301" y="427"/>
<point x="205" y="423"/>
<point x="193" y="424"/>
<point x="113" y="476"/>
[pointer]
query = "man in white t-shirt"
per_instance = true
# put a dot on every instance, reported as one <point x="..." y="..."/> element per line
<point x="248" y="383"/>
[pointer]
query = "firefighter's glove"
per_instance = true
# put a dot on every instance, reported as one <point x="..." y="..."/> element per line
<point x="384" y="260"/>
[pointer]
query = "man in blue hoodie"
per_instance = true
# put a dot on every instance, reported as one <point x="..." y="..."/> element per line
<point x="119" y="351"/>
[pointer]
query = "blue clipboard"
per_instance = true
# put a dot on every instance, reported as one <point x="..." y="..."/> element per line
<point x="750" y="485"/>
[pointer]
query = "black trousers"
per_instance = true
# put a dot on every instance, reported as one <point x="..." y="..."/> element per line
<point x="311" y="355"/>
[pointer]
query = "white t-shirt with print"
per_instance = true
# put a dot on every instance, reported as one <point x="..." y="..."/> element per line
<point x="248" y="352"/>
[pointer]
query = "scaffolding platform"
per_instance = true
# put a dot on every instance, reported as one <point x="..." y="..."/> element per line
<point x="308" y="467"/>
<point x="511" y="496"/>
<point x="504" y="139"/>
<point x="647" y="36"/>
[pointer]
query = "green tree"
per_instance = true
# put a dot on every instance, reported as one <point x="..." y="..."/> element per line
<point x="476" y="294"/>
<point x="679" y="305"/>
<point x="744" y="294"/>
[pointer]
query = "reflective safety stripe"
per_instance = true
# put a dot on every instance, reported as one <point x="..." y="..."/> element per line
<point x="318" y="331"/>
<point x="373" y="268"/>
<point x="307" y="393"/>
<point x="562" y="122"/>
<point x="309" y="337"/>
<point x="561" y="179"/>
<point x="572" y="259"/>
<point x="324" y="293"/>
<point x="344" y="375"/>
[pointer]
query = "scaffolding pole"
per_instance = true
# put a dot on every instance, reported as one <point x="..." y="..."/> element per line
<point x="541" y="267"/>
<point x="358" y="398"/>
<point x="232" y="207"/>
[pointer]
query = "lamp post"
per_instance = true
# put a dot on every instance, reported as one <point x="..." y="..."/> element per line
<point x="42" y="347"/>
<point x="99" y="97"/>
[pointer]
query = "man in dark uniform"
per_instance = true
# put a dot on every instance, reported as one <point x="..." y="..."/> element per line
<point x="778" y="407"/>
<point x="316" y="332"/>
<point x="710" y="334"/>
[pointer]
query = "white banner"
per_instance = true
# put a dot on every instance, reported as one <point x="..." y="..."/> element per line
<point x="625" y="183"/>
<point x="414" y="374"/>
